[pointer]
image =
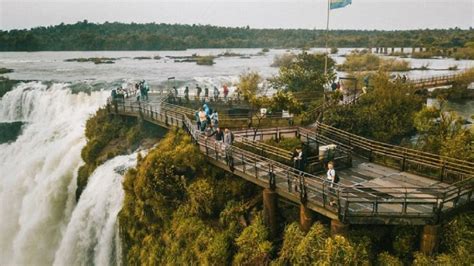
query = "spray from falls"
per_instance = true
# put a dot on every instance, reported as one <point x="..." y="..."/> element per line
<point x="37" y="170"/>
<point x="91" y="236"/>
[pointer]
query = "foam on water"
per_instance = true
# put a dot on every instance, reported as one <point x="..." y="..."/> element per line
<point x="37" y="170"/>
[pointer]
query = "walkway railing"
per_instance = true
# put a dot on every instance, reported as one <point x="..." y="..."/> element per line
<point x="351" y="204"/>
<point x="437" y="80"/>
<point x="441" y="168"/>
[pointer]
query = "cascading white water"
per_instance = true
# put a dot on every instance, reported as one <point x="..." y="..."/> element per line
<point x="91" y="235"/>
<point x="37" y="170"/>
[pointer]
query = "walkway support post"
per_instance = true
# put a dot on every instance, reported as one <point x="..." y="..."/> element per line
<point x="270" y="210"/>
<point x="306" y="218"/>
<point x="429" y="239"/>
<point x="339" y="228"/>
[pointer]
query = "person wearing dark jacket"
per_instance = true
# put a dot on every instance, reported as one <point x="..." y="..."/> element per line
<point x="218" y="135"/>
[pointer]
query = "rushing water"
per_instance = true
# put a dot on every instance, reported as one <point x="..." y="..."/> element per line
<point x="91" y="237"/>
<point x="40" y="222"/>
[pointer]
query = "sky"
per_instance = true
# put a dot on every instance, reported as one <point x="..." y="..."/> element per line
<point x="308" y="14"/>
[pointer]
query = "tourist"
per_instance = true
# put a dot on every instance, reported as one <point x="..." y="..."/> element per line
<point x="198" y="91"/>
<point x="206" y="92"/>
<point x="218" y="135"/>
<point x="228" y="137"/>
<point x="138" y="94"/>
<point x="226" y="92"/>
<point x="175" y="91"/>
<point x="198" y="121"/>
<point x="203" y="120"/>
<point x="114" y="94"/>
<point x="228" y="141"/>
<point x="331" y="174"/>
<point x="186" y="94"/>
<point x="215" y="119"/>
<point x="216" y="93"/>
<point x="333" y="86"/>
<point x="298" y="159"/>
<point x="332" y="179"/>
<point x="146" y="89"/>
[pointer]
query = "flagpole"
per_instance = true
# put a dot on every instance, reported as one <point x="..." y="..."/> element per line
<point x="326" y="62"/>
<point x="327" y="37"/>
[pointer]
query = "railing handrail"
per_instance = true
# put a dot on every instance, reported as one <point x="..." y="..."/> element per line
<point x="317" y="184"/>
<point x="397" y="149"/>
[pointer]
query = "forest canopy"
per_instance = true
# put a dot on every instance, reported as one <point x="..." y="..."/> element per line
<point x="83" y="36"/>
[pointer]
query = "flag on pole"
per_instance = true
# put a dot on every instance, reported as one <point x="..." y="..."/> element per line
<point x="339" y="3"/>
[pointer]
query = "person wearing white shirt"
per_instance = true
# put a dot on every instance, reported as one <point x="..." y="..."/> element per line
<point x="331" y="178"/>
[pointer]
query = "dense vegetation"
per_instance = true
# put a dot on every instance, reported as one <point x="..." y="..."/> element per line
<point x="108" y="136"/>
<point x="179" y="210"/>
<point x="385" y="114"/>
<point x="372" y="62"/>
<point x="120" y="36"/>
<point x="393" y="112"/>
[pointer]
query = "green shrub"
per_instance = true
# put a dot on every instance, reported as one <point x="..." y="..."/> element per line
<point x="202" y="198"/>
<point x="253" y="247"/>
<point x="386" y="259"/>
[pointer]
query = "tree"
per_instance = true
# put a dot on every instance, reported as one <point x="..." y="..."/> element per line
<point x="385" y="114"/>
<point x="253" y="245"/>
<point x="255" y="93"/>
<point x="305" y="73"/>
<point x="443" y="132"/>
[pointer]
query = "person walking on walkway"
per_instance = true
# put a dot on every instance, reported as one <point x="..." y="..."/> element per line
<point x="216" y="93"/>
<point x="198" y="92"/>
<point x="218" y="135"/>
<point x="186" y="94"/>
<point x="206" y="92"/>
<point x="226" y="92"/>
<point x="202" y="120"/>
<point x="215" y="119"/>
<point x="228" y="141"/>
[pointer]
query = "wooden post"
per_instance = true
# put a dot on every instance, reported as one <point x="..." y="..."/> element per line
<point x="338" y="228"/>
<point x="306" y="218"/>
<point x="429" y="239"/>
<point x="270" y="211"/>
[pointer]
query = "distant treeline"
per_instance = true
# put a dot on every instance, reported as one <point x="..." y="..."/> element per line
<point x="119" y="36"/>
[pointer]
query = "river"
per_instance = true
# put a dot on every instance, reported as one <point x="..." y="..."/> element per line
<point x="41" y="223"/>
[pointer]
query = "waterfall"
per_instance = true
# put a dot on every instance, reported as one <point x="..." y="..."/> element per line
<point x="38" y="170"/>
<point x="91" y="236"/>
